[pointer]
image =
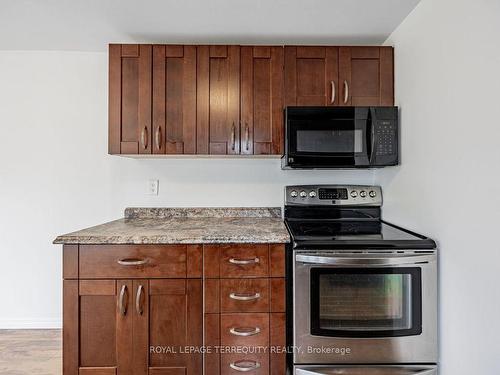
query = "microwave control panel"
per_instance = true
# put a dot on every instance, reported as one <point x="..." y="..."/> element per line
<point x="386" y="134"/>
<point x="333" y="195"/>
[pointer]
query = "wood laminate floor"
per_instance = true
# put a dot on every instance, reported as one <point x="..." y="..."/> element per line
<point x="33" y="352"/>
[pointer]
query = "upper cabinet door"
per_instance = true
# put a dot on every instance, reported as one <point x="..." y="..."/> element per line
<point x="174" y="99"/>
<point x="366" y="76"/>
<point x="130" y="99"/>
<point x="311" y="76"/>
<point x="261" y="100"/>
<point x="218" y="100"/>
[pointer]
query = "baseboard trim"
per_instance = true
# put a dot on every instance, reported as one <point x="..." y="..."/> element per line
<point x="30" y="324"/>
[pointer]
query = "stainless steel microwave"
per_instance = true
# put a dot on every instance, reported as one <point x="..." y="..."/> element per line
<point x="341" y="137"/>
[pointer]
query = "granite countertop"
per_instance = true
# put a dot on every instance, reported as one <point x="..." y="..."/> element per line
<point x="186" y="225"/>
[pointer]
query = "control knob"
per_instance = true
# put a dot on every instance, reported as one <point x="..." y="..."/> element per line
<point x="303" y="194"/>
<point x="373" y="193"/>
<point x="294" y="194"/>
<point x="362" y="194"/>
<point x="354" y="193"/>
<point x="312" y="193"/>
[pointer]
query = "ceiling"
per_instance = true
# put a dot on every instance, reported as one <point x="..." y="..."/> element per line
<point x="89" y="25"/>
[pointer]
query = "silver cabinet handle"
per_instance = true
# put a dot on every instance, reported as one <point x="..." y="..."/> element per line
<point x="132" y="262"/>
<point x="138" y="300"/>
<point x="346" y="91"/>
<point x="244" y="296"/>
<point x="333" y="92"/>
<point x="244" y="365"/>
<point x="233" y="137"/>
<point x="144" y="138"/>
<point x="158" y="138"/>
<point x="244" y="261"/>
<point x="123" y="300"/>
<point x="247" y="137"/>
<point x="244" y="331"/>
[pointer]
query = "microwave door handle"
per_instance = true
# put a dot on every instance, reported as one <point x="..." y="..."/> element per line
<point x="370" y="131"/>
<point x="347" y="260"/>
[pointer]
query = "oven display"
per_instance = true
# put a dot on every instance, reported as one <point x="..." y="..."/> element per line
<point x="332" y="194"/>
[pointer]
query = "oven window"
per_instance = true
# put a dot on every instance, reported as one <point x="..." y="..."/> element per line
<point x="366" y="302"/>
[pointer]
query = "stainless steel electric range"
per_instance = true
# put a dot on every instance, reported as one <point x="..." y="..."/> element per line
<point x="361" y="293"/>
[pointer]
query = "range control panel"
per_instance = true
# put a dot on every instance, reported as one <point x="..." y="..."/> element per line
<point x="333" y="195"/>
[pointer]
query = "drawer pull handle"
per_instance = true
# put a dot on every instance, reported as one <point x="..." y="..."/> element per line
<point x="244" y="365"/>
<point x="244" y="296"/>
<point x="244" y="261"/>
<point x="244" y="331"/>
<point x="132" y="262"/>
<point x="123" y="300"/>
<point x="138" y="300"/>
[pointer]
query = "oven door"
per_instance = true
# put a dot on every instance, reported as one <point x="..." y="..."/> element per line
<point x="375" y="307"/>
<point x="325" y="139"/>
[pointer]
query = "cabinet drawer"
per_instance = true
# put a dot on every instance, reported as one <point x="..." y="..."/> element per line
<point x="132" y="261"/>
<point x="244" y="261"/>
<point x="244" y="329"/>
<point x="251" y="363"/>
<point x="244" y="295"/>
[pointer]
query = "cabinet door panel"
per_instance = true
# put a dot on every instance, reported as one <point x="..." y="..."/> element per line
<point x="311" y="75"/>
<point x="141" y="326"/>
<point x="262" y="100"/>
<point x="174" y="99"/>
<point x="366" y="75"/>
<point x="130" y="99"/>
<point x="218" y="96"/>
<point x="105" y="327"/>
<point x="175" y="321"/>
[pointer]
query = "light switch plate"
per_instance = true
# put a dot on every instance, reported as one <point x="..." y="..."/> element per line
<point x="153" y="187"/>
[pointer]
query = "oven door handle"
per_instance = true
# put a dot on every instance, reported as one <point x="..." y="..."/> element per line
<point x="366" y="260"/>
<point x="321" y="371"/>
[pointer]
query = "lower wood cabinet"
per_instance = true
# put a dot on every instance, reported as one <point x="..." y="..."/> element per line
<point x="132" y="326"/>
<point x="138" y="323"/>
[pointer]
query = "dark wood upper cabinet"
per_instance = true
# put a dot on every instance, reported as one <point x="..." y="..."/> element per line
<point x="174" y="99"/>
<point x="218" y="100"/>
<point x="130" y="99"/>
<point x="311" y="76"/>
<point x="229" y="100"/>
<point x="344" y="76"/>
<point x="367" y="76"/>
<point x="261" y="100"/>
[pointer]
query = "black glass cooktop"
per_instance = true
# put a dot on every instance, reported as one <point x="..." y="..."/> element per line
<point x="349" y="234"/>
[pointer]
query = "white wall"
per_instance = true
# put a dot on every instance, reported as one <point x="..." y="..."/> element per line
<point x="56" y="176"/>
<point x="448" y="85"/>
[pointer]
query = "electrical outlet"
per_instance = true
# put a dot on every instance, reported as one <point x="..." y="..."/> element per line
<point x="153" y="187"/>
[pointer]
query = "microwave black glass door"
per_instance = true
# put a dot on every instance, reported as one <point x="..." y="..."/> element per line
<point x="370" y="302"/>
<point x="332" y="138"/>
